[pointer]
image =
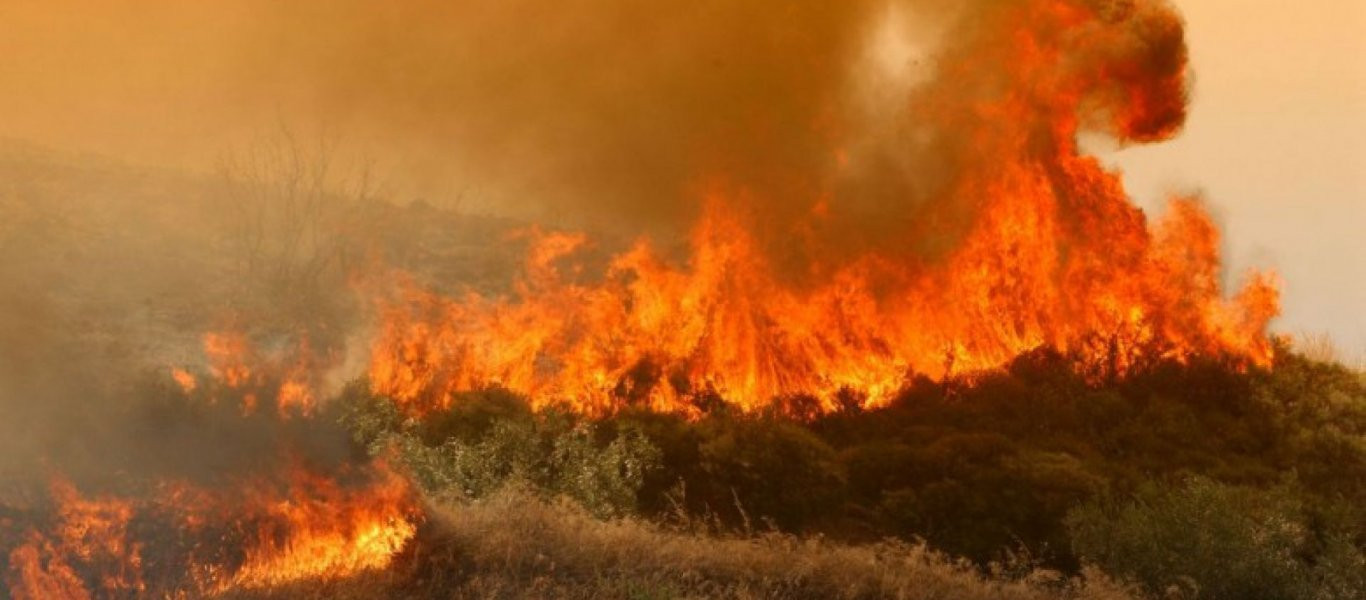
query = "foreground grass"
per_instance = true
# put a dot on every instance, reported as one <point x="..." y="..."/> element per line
<point x="513" y="545"/>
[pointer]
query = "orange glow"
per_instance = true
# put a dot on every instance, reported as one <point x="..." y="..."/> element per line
<point x="90" y="533"/>
<point x="285" y="377"/>
<point x="300" y="526"/>
<point x="1053" y="254"/>
<point x="317" y="528"/>
<point x="230" y="357"/>
<point x="38" y="571"/>
<point x="185" y="380"/>
<point x="289" y="522"/>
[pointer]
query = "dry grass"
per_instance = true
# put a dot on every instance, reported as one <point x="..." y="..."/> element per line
<point x="514" y="546"/>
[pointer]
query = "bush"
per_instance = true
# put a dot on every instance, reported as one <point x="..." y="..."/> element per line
<point x="1212" y="540"/>
<point x="487" y="440"/>
<point x="769" y="469"/>
<point x="974" y="467"/>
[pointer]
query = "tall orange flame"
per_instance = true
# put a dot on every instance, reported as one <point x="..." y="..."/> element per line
<point x="1053" y="254"/>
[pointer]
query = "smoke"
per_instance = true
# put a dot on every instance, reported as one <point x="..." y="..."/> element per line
<point x="592" y="107"/>
<point x="592" y="112"/>
<point x="851" y="126"/>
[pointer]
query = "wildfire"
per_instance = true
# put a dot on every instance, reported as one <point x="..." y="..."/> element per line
<point x="285" y="377"/>
<point x="91" y="533"/>
<point x="260" y="533"/>
<point x="296" y="519"/>
<point x="314" y="527"/>
<point x="1022" y="242"/>
<point x="186" y="380"/>
<point x="1052" y="254"/>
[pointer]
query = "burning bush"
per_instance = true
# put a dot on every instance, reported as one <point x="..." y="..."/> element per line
<point x="185" y="539"/>
<point x="230" y="485"/>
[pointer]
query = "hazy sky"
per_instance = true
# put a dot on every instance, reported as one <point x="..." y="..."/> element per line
<point x="1276" y="139"/>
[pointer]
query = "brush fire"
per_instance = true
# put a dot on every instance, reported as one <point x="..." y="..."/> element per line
<point x="1012" y="240"/>
<point x="296" y="518"/>
<point x="1054" y="255"/>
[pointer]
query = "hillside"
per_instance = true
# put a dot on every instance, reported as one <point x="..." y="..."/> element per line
<point x="1204" y="478"/>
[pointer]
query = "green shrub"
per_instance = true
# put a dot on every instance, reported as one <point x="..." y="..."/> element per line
<point x="1213" y="541"/>
<point x="369" y="418"/>
<point x="974" y="466"/>
<point x="770" y="468"/>
<point x="490" y="438"/>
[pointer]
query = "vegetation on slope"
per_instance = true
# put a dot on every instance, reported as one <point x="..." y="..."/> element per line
<point x="512" y="544"/>
<point x="1194" y="479"/>
<point x="1191" y="478"/>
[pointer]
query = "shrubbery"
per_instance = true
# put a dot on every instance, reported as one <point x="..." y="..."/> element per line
<point x="490" y="441"/>
<point x="1261" y="474"/>
<point x="1211" y="540"/>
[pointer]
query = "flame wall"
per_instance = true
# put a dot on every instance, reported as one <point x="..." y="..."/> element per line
<point x="1014" y="240"/>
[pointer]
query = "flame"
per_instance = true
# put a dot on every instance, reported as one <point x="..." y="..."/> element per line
<point x="320" y="529"/>
<point x="1045" y="249"/>
<point x="302" y="525"/>
<point x="185" y="380"/>
<point x="230" y="357"/>
<point x="286" y="377"/>
<point x="294" y="520"/>
<point x="38" y="571"/>
<point x="1052" y="254"/>
<point x="91" y="533"/>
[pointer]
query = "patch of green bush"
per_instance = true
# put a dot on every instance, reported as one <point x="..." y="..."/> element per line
<point x="489" y="439"/>
<point x="1211" y="540"/>
<point x="977" y="468"/>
